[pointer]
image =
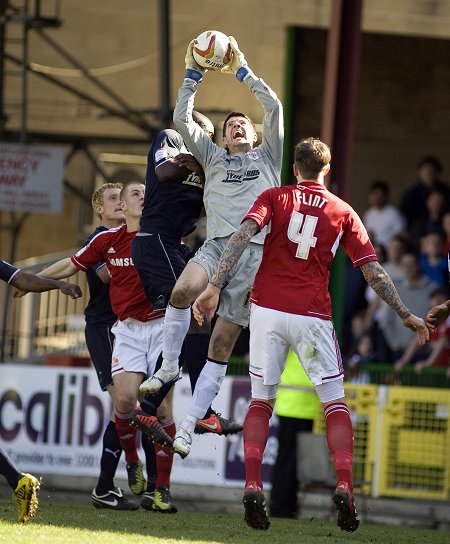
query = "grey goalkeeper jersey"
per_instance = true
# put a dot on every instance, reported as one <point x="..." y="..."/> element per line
<point x="233" y="181"/>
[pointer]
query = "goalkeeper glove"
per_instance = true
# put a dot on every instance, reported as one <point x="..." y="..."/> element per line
<point x="238" y="65"/>
<point x="193" y="69"/>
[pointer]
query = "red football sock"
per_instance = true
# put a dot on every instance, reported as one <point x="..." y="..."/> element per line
<point x="127" y="436"/>
<point x="340" y="440"/>
<point x="164" y="458"/>
<point x="256" y="432"/>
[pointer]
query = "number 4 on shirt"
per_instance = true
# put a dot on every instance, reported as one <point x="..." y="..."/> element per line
<point x="301" y="232"/>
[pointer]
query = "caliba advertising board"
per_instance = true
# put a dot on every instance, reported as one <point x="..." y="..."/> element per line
<point x="52" y="421"/>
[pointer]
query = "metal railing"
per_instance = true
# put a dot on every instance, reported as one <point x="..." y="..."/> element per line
<point x="42" y="323"/>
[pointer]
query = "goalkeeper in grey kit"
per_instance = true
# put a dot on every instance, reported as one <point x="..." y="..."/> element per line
<point x="235" y="175"/>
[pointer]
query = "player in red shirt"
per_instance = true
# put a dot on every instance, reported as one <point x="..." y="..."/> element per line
<point x="138" y="331"/>
<point x="291" y="308"/>
<point x="436" y="317"/>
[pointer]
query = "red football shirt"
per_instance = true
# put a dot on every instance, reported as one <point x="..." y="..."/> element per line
<point x="127" y="295"/>
<point x="308" y="223"/>
<point x="443" y="359"/>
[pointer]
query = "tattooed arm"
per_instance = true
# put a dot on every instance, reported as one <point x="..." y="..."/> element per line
<point x="384" y="287"/>
<point x="382" y="284"/>
<point x="233" y="251"/>
<point x="206" y="303"/>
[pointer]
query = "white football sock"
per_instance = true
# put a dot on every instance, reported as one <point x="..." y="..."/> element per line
<point x="176" y="326"/>
<point x="206" y="388"/>
<point x="189" y="424"/>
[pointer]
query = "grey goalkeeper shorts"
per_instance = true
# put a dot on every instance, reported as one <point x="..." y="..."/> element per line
<point x="235" y="296"/>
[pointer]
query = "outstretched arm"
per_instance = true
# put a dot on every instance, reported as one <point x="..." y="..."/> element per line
<point x="382" y="284"/>
<point x="206" y="303"/>
<point x="27" y="281"/>
<point x="57" y="271"/>
<point x="61" y="269"/>
<point x="196" y="139"/>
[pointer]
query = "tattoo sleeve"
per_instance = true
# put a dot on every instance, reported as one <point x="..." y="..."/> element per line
<point x="382" y="284"/>
<point x="233" y="251"/>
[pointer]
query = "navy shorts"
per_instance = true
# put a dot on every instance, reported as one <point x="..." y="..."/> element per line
<point x="159" y="262"/>
<point x="100" y="341"/>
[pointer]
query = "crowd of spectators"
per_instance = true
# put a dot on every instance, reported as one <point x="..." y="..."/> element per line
<point x="412" y="241"/>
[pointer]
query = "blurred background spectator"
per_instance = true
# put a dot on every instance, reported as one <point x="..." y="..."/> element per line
<point x="398" y="246"/>
<point x="354" y="302"/>
<point x="432" y="261"/>
<point x="382" y="219"/>
<point x="431" y="219"/>
<point x="374" y="311"/>
<point x="414" y="290"/>
<point x="364" y="353"/>
<point x="437" y="351"/>
<point x="412" y="203"/>
<point x="446" y="229"/>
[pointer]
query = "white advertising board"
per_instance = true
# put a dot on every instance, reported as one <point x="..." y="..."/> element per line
<point x="31" y="178"/>
<point x="52" y="421"/>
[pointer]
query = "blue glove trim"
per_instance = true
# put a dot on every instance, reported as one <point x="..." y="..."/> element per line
<point x="193" y="74"/>
<point x="242" y="72"/>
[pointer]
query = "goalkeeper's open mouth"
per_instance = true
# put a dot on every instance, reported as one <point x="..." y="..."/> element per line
<point x="238" y="134"/>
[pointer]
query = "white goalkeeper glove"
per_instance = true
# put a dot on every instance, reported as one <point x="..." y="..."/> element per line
<point x="238" y="65"/>
<point x="193" y="69"/>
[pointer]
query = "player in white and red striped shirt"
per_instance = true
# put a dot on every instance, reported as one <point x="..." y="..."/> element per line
<point x="291" y="307"/>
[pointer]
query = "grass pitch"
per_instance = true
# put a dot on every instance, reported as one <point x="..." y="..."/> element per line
<point x="70" y="523"/>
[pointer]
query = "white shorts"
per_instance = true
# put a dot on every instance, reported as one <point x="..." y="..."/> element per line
<point x="137" y="346"/>
<point x="314" y="341"/>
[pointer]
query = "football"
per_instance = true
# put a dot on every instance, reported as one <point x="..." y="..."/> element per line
<point x="212" y="50"/>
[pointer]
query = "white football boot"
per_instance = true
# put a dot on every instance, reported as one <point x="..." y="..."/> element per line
<point x="182" y="442"/>
<point x="166" y="374"/>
